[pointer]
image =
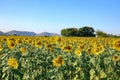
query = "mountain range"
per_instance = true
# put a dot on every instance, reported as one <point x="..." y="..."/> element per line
<point x="28" y="33"/>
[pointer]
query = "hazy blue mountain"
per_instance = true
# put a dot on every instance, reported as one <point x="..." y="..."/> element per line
<point x="21" y="33"/>
<point x="48" y="34"/>
<point x="54" y="34"/>
<point x="27" y="33"/>
<point x="1" y="33"/>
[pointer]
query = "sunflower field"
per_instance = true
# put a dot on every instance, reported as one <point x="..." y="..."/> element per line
<point x="59" y="58"/>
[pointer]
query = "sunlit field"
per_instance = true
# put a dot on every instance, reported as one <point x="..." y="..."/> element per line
<point x="59" y="58"/>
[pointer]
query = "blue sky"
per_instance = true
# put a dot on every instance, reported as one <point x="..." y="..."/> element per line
<point x="54" y="15"/>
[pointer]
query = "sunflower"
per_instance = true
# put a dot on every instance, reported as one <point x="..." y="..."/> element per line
<point x="11" y="44"/>
<point x="98" y="49"/>
<point x="82" y="47"/>
<point x="12" y="62"/>
<point x="19" y="41"/>
<point x="116" y="45"/>
<point x="38" y="44"/>
<point x="59" y="61"/>
<point x="23" y="50"/>
<point x="49" y="46"/>
<point x="11" y="39"/>
<point x="116" y="58"/>
<point x="89" y="50"/>
<point x="78" y="52"/>
<point x="28" y="41"/>
<point x="4" y="39"/>
<point x="67" y="48"/>
<point x="58" y="39"/>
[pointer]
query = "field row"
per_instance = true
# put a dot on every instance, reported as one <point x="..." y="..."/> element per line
<point x="59" y="58"/>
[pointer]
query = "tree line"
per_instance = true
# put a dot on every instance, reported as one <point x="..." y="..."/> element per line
<point x="85" y="31"/>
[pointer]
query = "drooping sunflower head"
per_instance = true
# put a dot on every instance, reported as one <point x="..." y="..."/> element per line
<point x="98" y="49"/>
<point x="59" y="61"/>
<point x="78" y="52"/>
<point x="116" y="58"/>
<point x="12" y="62"/>
<point x="23" y="50"/>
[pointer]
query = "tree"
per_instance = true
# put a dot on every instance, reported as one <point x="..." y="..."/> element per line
<point x="81" y="32"/>
<point x="111" y="35"/>
<point x="101" y="34"/>
<point x="86" y="31"/>
<point x="64" y="32"/>
<point x="69" y="32"/>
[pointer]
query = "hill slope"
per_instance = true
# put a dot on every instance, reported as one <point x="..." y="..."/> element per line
<point x="27" y="33"/>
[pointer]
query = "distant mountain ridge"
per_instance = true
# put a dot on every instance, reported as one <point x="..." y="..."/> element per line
<point x="1" y="33"/>
<point x="28" y="33"/>
<point x="21" y="33"/>
<point x="48" y="34"/>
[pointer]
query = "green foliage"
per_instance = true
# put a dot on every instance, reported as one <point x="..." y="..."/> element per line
<point x="69" y="32"/>
<point x="101" y="33"/>
<point x="37" y="65"/>
<point x="86" y="31"/>
<point x="37" y="62"/>
<point x="82" y="32"/>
